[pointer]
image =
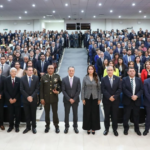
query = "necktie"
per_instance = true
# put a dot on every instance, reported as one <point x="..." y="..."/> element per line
<point x="111" y="82"/>
<point x="132" y="84"/>
<point x="13" y="82"/>
<point x="42" y="66"/>
<point x="71" y="82"/>
<point x="29" y="81"/>
<point x="2" y="68"/>
<point x="50" y="77"/>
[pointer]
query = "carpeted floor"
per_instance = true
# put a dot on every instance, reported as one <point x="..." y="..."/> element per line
<point x="78" y="59"/>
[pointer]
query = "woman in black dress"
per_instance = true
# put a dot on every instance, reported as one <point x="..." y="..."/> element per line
<point x="91" y="96"/>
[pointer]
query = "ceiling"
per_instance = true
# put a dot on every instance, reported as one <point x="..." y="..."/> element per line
<point x="13" y="9"/>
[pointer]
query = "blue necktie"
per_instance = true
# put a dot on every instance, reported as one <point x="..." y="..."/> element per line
<point x="29" y="81"/>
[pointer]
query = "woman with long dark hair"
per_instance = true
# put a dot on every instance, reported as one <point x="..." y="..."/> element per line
<point x="91" y="97"/>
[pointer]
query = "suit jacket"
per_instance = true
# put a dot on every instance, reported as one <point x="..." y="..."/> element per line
<point x="125" y="59"/>
<point x="141" y="66"/>
<point x="71" y="92"/>
<point x="2" y="82"/>
<point x="6" y="69"/>
<point x="127" y="91"/>
<point x="12" y="92"/>
<point x="117" y="51"/>
<point x="108" y="91"/>
<point x="146" y="89"/>
<point x="29" y="91"/>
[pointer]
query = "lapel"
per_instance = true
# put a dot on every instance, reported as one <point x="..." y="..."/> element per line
<point x="11" y="82"/>
<point x="72" y="82"/>
<point x="129" y="83"/>
<point x="136" y="81"/>
<point x="108" y="82"/>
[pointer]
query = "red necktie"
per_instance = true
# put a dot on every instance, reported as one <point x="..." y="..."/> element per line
<point x="13" y="82"/>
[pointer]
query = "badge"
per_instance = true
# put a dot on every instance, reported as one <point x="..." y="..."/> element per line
<point x="55" y="79"/>
<point x="45" y="81"/>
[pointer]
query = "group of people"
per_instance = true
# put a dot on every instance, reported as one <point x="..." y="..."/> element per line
<point x="116" y="65"/>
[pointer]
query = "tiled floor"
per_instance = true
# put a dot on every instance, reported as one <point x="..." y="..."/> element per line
<point x="72" y="141"/>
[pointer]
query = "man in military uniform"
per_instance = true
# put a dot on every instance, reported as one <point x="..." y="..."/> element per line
<point x="49" y="89"/>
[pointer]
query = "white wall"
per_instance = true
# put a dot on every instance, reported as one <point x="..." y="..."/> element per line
<point x="54" y="26"/>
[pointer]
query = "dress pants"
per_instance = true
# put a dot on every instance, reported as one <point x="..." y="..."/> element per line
<point x="30" y="114"/>
<point x="127" y="113"/>
<point x="14" y="110"/>
<point x="74" y="106"/>
<point x="91" y="115"/>
<point x="147" y="122"/>
<point x="1" y="112"/>
<point x="55" y="115"/>
<point x="111" y="110"/>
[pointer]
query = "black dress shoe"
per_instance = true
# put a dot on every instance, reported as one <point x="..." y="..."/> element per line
<point x="34" y="131"/>
<point x="57" y="130"/>
<point x="138" y="132"/>
<point x="66" y="130"/>
<point x="115" y="133"/>
<point x="145" y="132"/>
<point x="88" y="132"/>
<point x="17" y="130"/>
<point x="76" y="130"/>
<point x="93" y="132"/>
<point x="125" y="132"/>
<point x="9" y="129"/>
<point x="26" y="130"/>
<point x="46" y="130"/>
<point x="105" y="132"/>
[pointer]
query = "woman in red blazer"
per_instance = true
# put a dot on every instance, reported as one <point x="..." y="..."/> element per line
<point x="145" y="72"/>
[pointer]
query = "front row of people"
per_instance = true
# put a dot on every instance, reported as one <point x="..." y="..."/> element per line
<point x="51" y="85"/>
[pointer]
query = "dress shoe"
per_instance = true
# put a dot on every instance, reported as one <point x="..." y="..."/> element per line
<point x="105" y="132"/>
<point x="66" y="130"/>
<point x="26" y="130"/>
<point x="88" y="132"/>
<point x="138" y="132"/>
<point x="17" y="129"/>
<point x="9" y="129"/>
<point x="145" y="132"/>
<point x="2" y="127"/>
<point x="115" y="133"/>
<point x="46" y="130"/>
<point x="57" y="130"/>
<point x="93" y="132"/>
<point x="34" y="131"/>
<point x="76" y="130"/>
<point x="125" y="132"/>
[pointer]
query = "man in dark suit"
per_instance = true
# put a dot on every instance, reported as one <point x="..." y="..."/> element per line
<point x="118" y="49"/>
<point x="132" y="89"/>
<point x="50" y="87"/>
<point x="29" y="87"/>
<point x="128" y="57"/>
<point x="146" y="89"/>
<point x="2" y="79"/>
<point x="71" y="88"/>
<point x="12" y="95"/>
<point x="111" y="89"/>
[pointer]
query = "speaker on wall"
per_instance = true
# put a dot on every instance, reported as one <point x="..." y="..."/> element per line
<point x="78" y="26"/>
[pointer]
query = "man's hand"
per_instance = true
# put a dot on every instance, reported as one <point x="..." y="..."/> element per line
<point x="71" y="101"/>
<point x="0" y="96"/>
<point x="55" y="91"/>
<point x="111" y="98"/>
<point x="42" y="101"/>
<point x="84" y="102"/>
<point x="14" y="100"/>
<point x="29" y="98"/>
<point x="11" y="101"/>
<point x="134" y="97"/>
<point x="99" y="101"/>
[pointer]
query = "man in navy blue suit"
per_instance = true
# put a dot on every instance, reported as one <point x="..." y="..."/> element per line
<point x="111" y="89"/>
<point x="147" y="104"/>
<point x="128" y="57"/>
<point x="118" y="49"/>
<point x="132" y="89"/>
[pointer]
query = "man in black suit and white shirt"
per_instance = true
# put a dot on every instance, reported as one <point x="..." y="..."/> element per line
<point x="12" y="95"/>
<point x="71" y="88"/>
<point x="29" y="87"/>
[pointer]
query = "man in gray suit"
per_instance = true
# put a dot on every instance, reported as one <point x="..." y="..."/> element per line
<point x="71" y="88"/>
<point x="5" y="67"/>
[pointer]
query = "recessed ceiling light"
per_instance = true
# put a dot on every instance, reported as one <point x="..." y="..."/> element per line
<point x="68" y="16"/>
<point x="66" y="4"/>
<point x="111" y="11"/>
<point x="133" y="4"/>
<point x="140" y="11"/>
<point x="100" y="4"/>
<point x="82" y="11"/>
<point x="94" y="16"/>
<point x="33" y="5"/>
<point x="119" y="16"/>
<point x="43" y="16"/>
<point x="53" y="11"/>
<point x="8" y="0"/>
<point x="20" y="17"/>
<point x="1" y="6"/>
<point x="144" y="16"/>
<point x="25" y="12"/>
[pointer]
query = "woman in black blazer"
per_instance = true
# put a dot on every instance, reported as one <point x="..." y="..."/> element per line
<point x="121" y="66"/>
<point x="138" y="65"/>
